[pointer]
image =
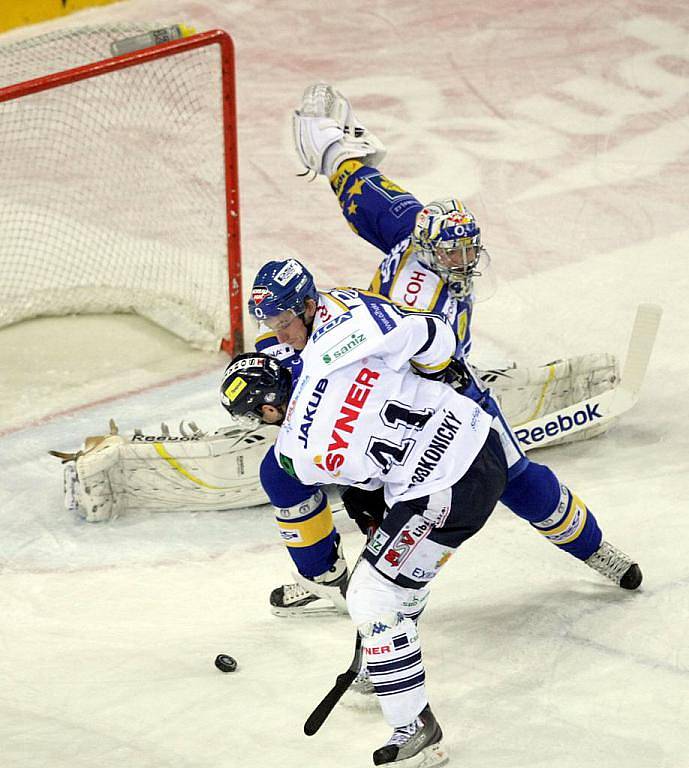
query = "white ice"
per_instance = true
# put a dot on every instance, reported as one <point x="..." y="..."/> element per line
<point x="564" y="126"/>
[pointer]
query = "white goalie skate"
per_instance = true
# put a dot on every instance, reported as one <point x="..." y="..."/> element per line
<point x="327" y="132"/>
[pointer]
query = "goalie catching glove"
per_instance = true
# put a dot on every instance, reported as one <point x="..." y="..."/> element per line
<point x="191" y="471"/>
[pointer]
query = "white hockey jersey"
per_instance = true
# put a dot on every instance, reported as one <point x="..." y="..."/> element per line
<point x="359" y="415"/>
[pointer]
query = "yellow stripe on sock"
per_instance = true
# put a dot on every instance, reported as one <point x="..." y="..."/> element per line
<point x="308" y="532"/>
<point x="576" y="505"/>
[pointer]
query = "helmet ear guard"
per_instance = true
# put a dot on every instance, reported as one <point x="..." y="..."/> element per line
<point x="252" y="380"/>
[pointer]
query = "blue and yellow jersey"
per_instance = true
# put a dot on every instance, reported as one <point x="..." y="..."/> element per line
<point x="384" y="214"/>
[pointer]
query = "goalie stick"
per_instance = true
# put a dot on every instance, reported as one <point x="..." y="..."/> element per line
<point x="320" y="714"/>
<point x="602" y="408"/>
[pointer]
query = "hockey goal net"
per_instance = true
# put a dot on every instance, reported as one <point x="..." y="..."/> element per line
<point x="119" y="187"/>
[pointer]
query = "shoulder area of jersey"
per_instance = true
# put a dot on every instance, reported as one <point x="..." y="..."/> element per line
<point x="337" y="301"/>
<point x="415" y="285"/>
<point x="267" y="342"/>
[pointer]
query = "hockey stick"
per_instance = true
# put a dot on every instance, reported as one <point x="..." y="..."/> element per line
<point x="602" y="408"/>
<point x="320" y="714"/>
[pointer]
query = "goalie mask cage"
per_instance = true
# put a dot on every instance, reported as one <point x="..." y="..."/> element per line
<point x="118" y="182"/>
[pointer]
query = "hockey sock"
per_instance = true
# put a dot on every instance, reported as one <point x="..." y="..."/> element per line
<point x="572" y="526"/>
<point x="393" y="658"/>
<point x="536" y="495"/>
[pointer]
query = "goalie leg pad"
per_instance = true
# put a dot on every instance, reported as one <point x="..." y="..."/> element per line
<point x="160" y="473"/>
<point x="527" y="393"/>
<point x="327" y="132"/>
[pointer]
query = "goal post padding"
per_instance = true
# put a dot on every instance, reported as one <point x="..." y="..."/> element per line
<point x="119" y="184"/>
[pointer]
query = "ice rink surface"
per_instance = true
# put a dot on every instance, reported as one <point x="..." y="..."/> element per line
<point x="565" y="127"/>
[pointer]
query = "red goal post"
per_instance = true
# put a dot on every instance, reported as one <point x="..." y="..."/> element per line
<point x="120" y="189"/>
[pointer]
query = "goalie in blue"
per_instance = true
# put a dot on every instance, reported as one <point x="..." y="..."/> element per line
<point x="433" y="253"/>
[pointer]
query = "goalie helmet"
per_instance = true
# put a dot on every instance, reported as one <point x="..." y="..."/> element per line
<point x="447" y="240"/>
<point x="251" y="380"/>
<point x="281" y="286"/>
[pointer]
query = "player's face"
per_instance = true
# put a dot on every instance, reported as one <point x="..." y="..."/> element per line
<point x="271" y="414"/>
<point x="293" y="329"/>
<point x="461" y="257"/>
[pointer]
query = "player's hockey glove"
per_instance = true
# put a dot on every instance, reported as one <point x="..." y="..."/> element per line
<point x="366" y="508"/>
<point x="455" y="374"/>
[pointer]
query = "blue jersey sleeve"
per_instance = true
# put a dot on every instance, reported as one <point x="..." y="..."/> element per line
<point x="287" y="356"/>
<point x="376" y="208"/>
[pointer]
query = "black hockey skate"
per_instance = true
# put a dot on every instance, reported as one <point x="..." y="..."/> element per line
<point x="291" y="600"/>
<point x="616" y="566"/>
<point x="417" y="744"/>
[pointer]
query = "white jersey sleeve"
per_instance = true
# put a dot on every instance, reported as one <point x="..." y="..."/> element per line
<point x="426" y="341"/>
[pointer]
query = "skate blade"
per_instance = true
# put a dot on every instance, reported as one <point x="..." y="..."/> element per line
<point x="431" y="757"/>
<point x="306" y="611"/>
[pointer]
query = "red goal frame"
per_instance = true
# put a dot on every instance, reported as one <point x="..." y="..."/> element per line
<point x="233" y="342"/>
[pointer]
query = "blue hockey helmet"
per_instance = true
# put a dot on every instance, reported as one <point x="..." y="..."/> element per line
<point x="281" y="286"/>
<point x="447" y="239"/>
<point x="251" y="380"/>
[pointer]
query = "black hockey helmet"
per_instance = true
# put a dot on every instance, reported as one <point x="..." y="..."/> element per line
<point x="251" y="380"/>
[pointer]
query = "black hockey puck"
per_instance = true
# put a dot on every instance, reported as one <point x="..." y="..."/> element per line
<point x="225" y="663"/>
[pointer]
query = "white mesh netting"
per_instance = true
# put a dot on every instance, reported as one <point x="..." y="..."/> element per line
<point x="113" y="192"/>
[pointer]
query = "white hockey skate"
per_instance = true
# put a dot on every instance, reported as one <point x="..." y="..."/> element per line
<point x="417" y="745"/>
<point x="294" y="599"/>
<point x="314" y="597"/>
<point x="616" y="566"/>
<point x="327" y="132"/>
